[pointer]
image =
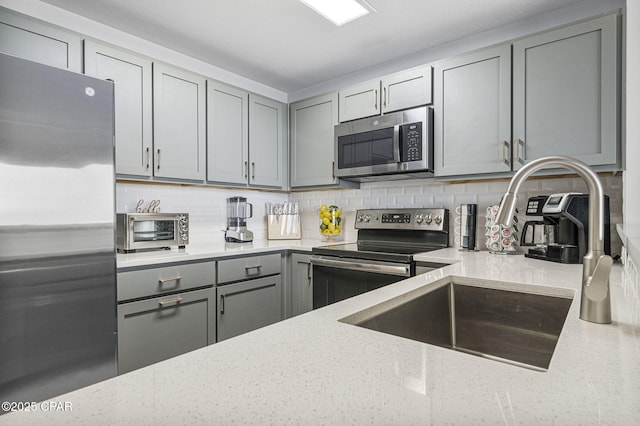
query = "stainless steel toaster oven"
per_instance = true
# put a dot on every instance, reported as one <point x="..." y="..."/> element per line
<point x="144" y="231"/>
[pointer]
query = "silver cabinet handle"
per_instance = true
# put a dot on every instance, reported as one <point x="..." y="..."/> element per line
<point x="522" y="151"/>
<point x="384" y="97"/>
<point x="148" y="151"/>
<point x="506" y="153"/>
<point x="309" y="273"/>
<point x="158" y="159"/>
<point x="333" y="170"/>
<point x="247" y="267"/>
<point x="222" y="304"/>
<point x="175" y="301"/>
<point x="253" y="170"/>
<point x="166" y="280"/>
<point x="375" y="99"/>
<point x="246" y="169"/>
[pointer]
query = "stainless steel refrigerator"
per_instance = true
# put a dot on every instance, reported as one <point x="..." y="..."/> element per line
<point x="57" y="253"/>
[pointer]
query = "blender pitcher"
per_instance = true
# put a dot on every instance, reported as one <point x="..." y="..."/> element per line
<point x="238" y="210"/>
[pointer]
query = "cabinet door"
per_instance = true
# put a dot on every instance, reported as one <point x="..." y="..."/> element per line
<point x="248" y="305"/>
<point x="179" y="123"/>
<point x="361" y="100"/>
<point x="131" y="75"/>
<point x="407" y="89"/>
<point x="39" y="42"/>
<point x="227" y="134"/>
<point x="473" y="113"/>
<point x="312" y="142"/>
<point x="156" y="329"/>
<point x="267" y="141"/>
<point x="565" y="94"/>
<point x="302" y="285"/>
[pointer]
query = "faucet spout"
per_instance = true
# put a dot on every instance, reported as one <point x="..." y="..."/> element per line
<point x="595" y="302"/>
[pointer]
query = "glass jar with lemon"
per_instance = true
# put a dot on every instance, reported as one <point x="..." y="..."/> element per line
<point x="330" y="222"/>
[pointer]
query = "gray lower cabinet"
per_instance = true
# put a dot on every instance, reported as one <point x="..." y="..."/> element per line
<point x="156" y="329"/>
<point x="249" y="293"/>
<point x="301" y="286"/>
<point x="248" y="305"/>
<point x="565" y="94"/>
<point x="37" y="41"/>
<point x="164" y="311"/>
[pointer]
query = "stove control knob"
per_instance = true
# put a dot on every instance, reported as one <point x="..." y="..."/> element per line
<point x="360" y="218"/>
<point x="428" y="219"/>
<point x="366" y="218"/>
<point x="419" y="218"/>
<point x="437" y="220"/>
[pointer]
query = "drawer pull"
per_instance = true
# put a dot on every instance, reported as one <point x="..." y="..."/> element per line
<point x="178" y="278"/>
<point x="175" y="301"/>
<point x="247" y="267"/>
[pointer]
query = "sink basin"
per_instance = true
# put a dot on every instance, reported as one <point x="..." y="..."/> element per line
<point x="479" y="317"/>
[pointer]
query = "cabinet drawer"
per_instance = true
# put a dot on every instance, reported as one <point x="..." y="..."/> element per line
<point x="153" y="330"/>
<point x="157" y="281"/>
<point x="248" y="267"/>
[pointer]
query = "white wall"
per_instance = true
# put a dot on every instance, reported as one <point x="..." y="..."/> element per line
<point x="93" y="29"/>
<point x="631" y="176"/>
<point x="429" y="193"/>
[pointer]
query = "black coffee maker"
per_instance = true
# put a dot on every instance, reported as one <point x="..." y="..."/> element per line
<point x="564" y="227"/>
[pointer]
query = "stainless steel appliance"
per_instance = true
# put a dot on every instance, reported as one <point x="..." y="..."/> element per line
<point x="466" y="222"/>
<point x="145" y="231"/>
<point x="561" y="235"/>
<point x="57" y="250"/>
<point x="399" y="143"/>
<point x="238" y="211"/>
<point x="383" y="254"/>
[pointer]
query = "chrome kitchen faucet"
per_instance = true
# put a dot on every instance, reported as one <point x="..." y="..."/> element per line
<point x="595" y="301"/>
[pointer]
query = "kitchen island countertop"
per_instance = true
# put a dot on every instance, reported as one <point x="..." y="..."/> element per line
<point x="313" y="369"/>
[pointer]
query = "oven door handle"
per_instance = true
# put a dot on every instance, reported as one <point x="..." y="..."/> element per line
<point x="399" y="269"/>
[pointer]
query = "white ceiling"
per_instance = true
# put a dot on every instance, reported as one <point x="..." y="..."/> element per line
<point x="285" y="45"/>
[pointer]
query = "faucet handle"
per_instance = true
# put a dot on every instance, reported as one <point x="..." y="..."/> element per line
<point x="597" y="285"/>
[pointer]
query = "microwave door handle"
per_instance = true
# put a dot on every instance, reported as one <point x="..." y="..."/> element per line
<point x="396" y="143"/>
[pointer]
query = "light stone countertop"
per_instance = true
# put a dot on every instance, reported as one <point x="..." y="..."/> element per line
<point x="313" y="369"/>
<point x="214" y="250"/>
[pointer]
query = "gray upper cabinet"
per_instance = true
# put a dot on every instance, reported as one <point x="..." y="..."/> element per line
<point x="473" y="113"/>
<point x="39" y="42"/>
<point x="401" y="90"/>
<point x="360" y="100"/>
<point x="179" y="123"/>
<point x="565" y="98"/>
<point x="267" y="142"/>
<point x="311" y="140"/>
<point x="407" y="89"/>
<point x="132" y="78"/>
<point x="227" y="134"/>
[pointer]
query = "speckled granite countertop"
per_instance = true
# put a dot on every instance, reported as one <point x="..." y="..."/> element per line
<point x="313" y="369"/>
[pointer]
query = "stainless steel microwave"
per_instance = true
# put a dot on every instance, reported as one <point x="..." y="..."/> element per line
<point x="144" y="231"/>
<point x="399" y="143"/>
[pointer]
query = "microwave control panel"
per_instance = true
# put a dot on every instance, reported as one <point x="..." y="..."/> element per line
<point x="411" y="142"/>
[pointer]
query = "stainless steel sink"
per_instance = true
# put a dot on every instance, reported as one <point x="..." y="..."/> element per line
<point x="477" y="317"/>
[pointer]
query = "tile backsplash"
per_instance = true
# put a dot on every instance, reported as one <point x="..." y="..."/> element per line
<point x="207" y="205"/>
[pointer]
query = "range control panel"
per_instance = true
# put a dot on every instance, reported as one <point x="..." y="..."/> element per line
<point x="425" y="219"/>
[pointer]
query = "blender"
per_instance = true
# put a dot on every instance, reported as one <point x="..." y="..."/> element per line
<point x="238" y="210"/>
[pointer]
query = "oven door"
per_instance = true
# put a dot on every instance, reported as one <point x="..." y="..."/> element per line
<point x="336" y="279"/>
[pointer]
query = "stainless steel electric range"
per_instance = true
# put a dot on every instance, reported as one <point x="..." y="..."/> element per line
<point x="384" y="253"/>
